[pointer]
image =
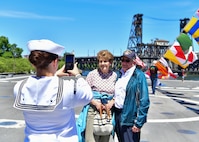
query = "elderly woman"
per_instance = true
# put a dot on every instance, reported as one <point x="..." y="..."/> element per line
<point x="102" y="81"/>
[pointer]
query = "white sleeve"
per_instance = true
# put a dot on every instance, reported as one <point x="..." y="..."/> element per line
<point x="84" y="93"/>
<point x="76" y="93"/>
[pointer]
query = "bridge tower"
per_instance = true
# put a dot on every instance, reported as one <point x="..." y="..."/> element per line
<point x="135" y="37"/>
<point x="183" y="23"/>
<point x="147" y="52"/>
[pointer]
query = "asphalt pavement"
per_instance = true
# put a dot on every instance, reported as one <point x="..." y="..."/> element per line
<point x="173" y="114"/>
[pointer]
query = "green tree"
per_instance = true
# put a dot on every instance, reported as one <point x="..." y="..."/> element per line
<point x="7" y="54"/>
<point x="3" y="44"/>
<point x="22" y="65"/>
<point x="16" y="51"/>
<point x="3" y="65"/>
<point x="8" y="50"/>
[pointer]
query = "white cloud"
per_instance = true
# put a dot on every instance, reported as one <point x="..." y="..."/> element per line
<point x="28" y="15"/>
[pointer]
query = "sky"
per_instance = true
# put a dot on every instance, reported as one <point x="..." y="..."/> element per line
<point x="88" y="26"/>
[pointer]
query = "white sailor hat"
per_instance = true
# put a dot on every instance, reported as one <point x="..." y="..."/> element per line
<point x="45" y="45"/>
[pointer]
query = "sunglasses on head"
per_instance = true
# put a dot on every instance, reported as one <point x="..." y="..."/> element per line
<point x="125" y="60"/>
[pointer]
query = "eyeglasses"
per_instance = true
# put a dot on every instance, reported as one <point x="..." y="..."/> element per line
<point x="127" y="60"/>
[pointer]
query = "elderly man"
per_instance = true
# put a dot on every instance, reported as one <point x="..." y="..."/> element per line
<point x="131" y="100"/>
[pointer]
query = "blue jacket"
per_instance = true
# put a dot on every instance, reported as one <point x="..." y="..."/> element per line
<point x="136" y="103"/>
<point x="81" y="120"/>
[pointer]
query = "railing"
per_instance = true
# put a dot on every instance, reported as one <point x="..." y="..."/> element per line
<point x="90" y="63"/>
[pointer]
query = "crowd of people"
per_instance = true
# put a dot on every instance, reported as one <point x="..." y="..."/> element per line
<point x="48" y="101"/>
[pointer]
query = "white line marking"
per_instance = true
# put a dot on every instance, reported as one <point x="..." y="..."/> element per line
<point x="12" y="79"/>
<point x="179" y="89"/>
<point x="197" y="96"/>
<point x="177" y="98"/>
<point x="5" y="123"/>
<point x="5" y="79"/>
<point x="190" y="119"/>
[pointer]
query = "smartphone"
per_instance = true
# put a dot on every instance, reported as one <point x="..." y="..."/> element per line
<point x="69" y="62"/>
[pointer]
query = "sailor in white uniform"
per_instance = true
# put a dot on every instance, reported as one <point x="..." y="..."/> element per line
<point x="47" y="100"/>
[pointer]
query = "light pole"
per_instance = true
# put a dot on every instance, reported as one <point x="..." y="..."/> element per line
<point x="14" y="55"/>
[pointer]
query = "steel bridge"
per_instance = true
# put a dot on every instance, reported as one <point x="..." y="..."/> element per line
<point x="147" y="52"/>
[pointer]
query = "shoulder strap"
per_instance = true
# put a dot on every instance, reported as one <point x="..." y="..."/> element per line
<point x="75" y="83"/>
<point x="20" y="106"/>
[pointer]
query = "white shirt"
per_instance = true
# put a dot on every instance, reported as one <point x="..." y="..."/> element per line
<point x="120" y="87"/>
<point x="57" y="125"/>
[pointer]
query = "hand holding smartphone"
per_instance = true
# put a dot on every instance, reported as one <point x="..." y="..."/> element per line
<point x="69" y="62"/>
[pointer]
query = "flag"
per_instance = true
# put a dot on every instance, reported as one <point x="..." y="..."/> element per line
<point x="184" y="41"/>
<point x="164" y="69"/>
<point x="171" y="74"/>
<point x="140" y="62"/>
<point x="169" y="71"/>
<point x="176" y="55"/>
<point x="192" y="28"/>
<point x="197" y="12"/>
